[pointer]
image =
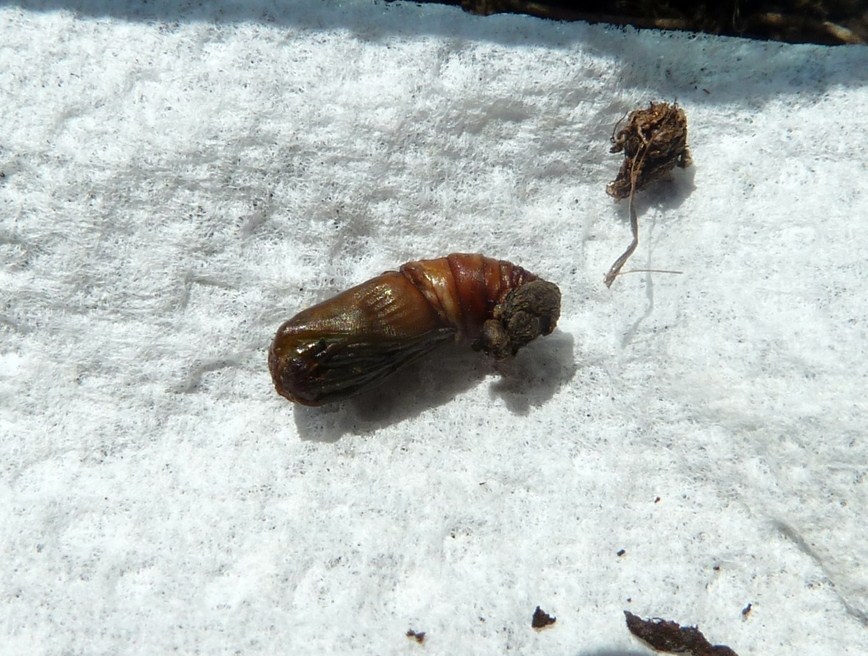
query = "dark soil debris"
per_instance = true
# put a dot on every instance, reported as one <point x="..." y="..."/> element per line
<point x="541" y="619"/>
<point x="672" y="638"/>
<point x="418" y="636"/>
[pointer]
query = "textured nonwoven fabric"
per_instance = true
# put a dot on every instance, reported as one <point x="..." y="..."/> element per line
<point x="176" y="180"/>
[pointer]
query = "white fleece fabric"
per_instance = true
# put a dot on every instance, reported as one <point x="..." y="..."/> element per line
<point x="178" y="178"/>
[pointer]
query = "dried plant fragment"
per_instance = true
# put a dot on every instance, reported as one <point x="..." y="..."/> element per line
<point x="654" y="141"/>
<point x="541" y="619"/>
<point x="671" y="638"/>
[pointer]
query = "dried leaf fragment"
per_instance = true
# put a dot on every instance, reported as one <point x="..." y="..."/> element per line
<point x="672" y="638"/>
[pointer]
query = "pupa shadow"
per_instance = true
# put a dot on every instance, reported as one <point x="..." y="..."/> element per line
<point x="528" y="380"/>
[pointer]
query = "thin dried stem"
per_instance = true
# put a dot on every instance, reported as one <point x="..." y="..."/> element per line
<point x="624" y="273"/>
<point x="615" y="269"/>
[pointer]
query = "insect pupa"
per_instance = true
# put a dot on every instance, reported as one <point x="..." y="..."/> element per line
<point x="354" y="340"/>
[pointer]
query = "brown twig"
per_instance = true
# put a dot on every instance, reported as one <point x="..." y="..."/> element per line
<point x="792" y="20"/>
